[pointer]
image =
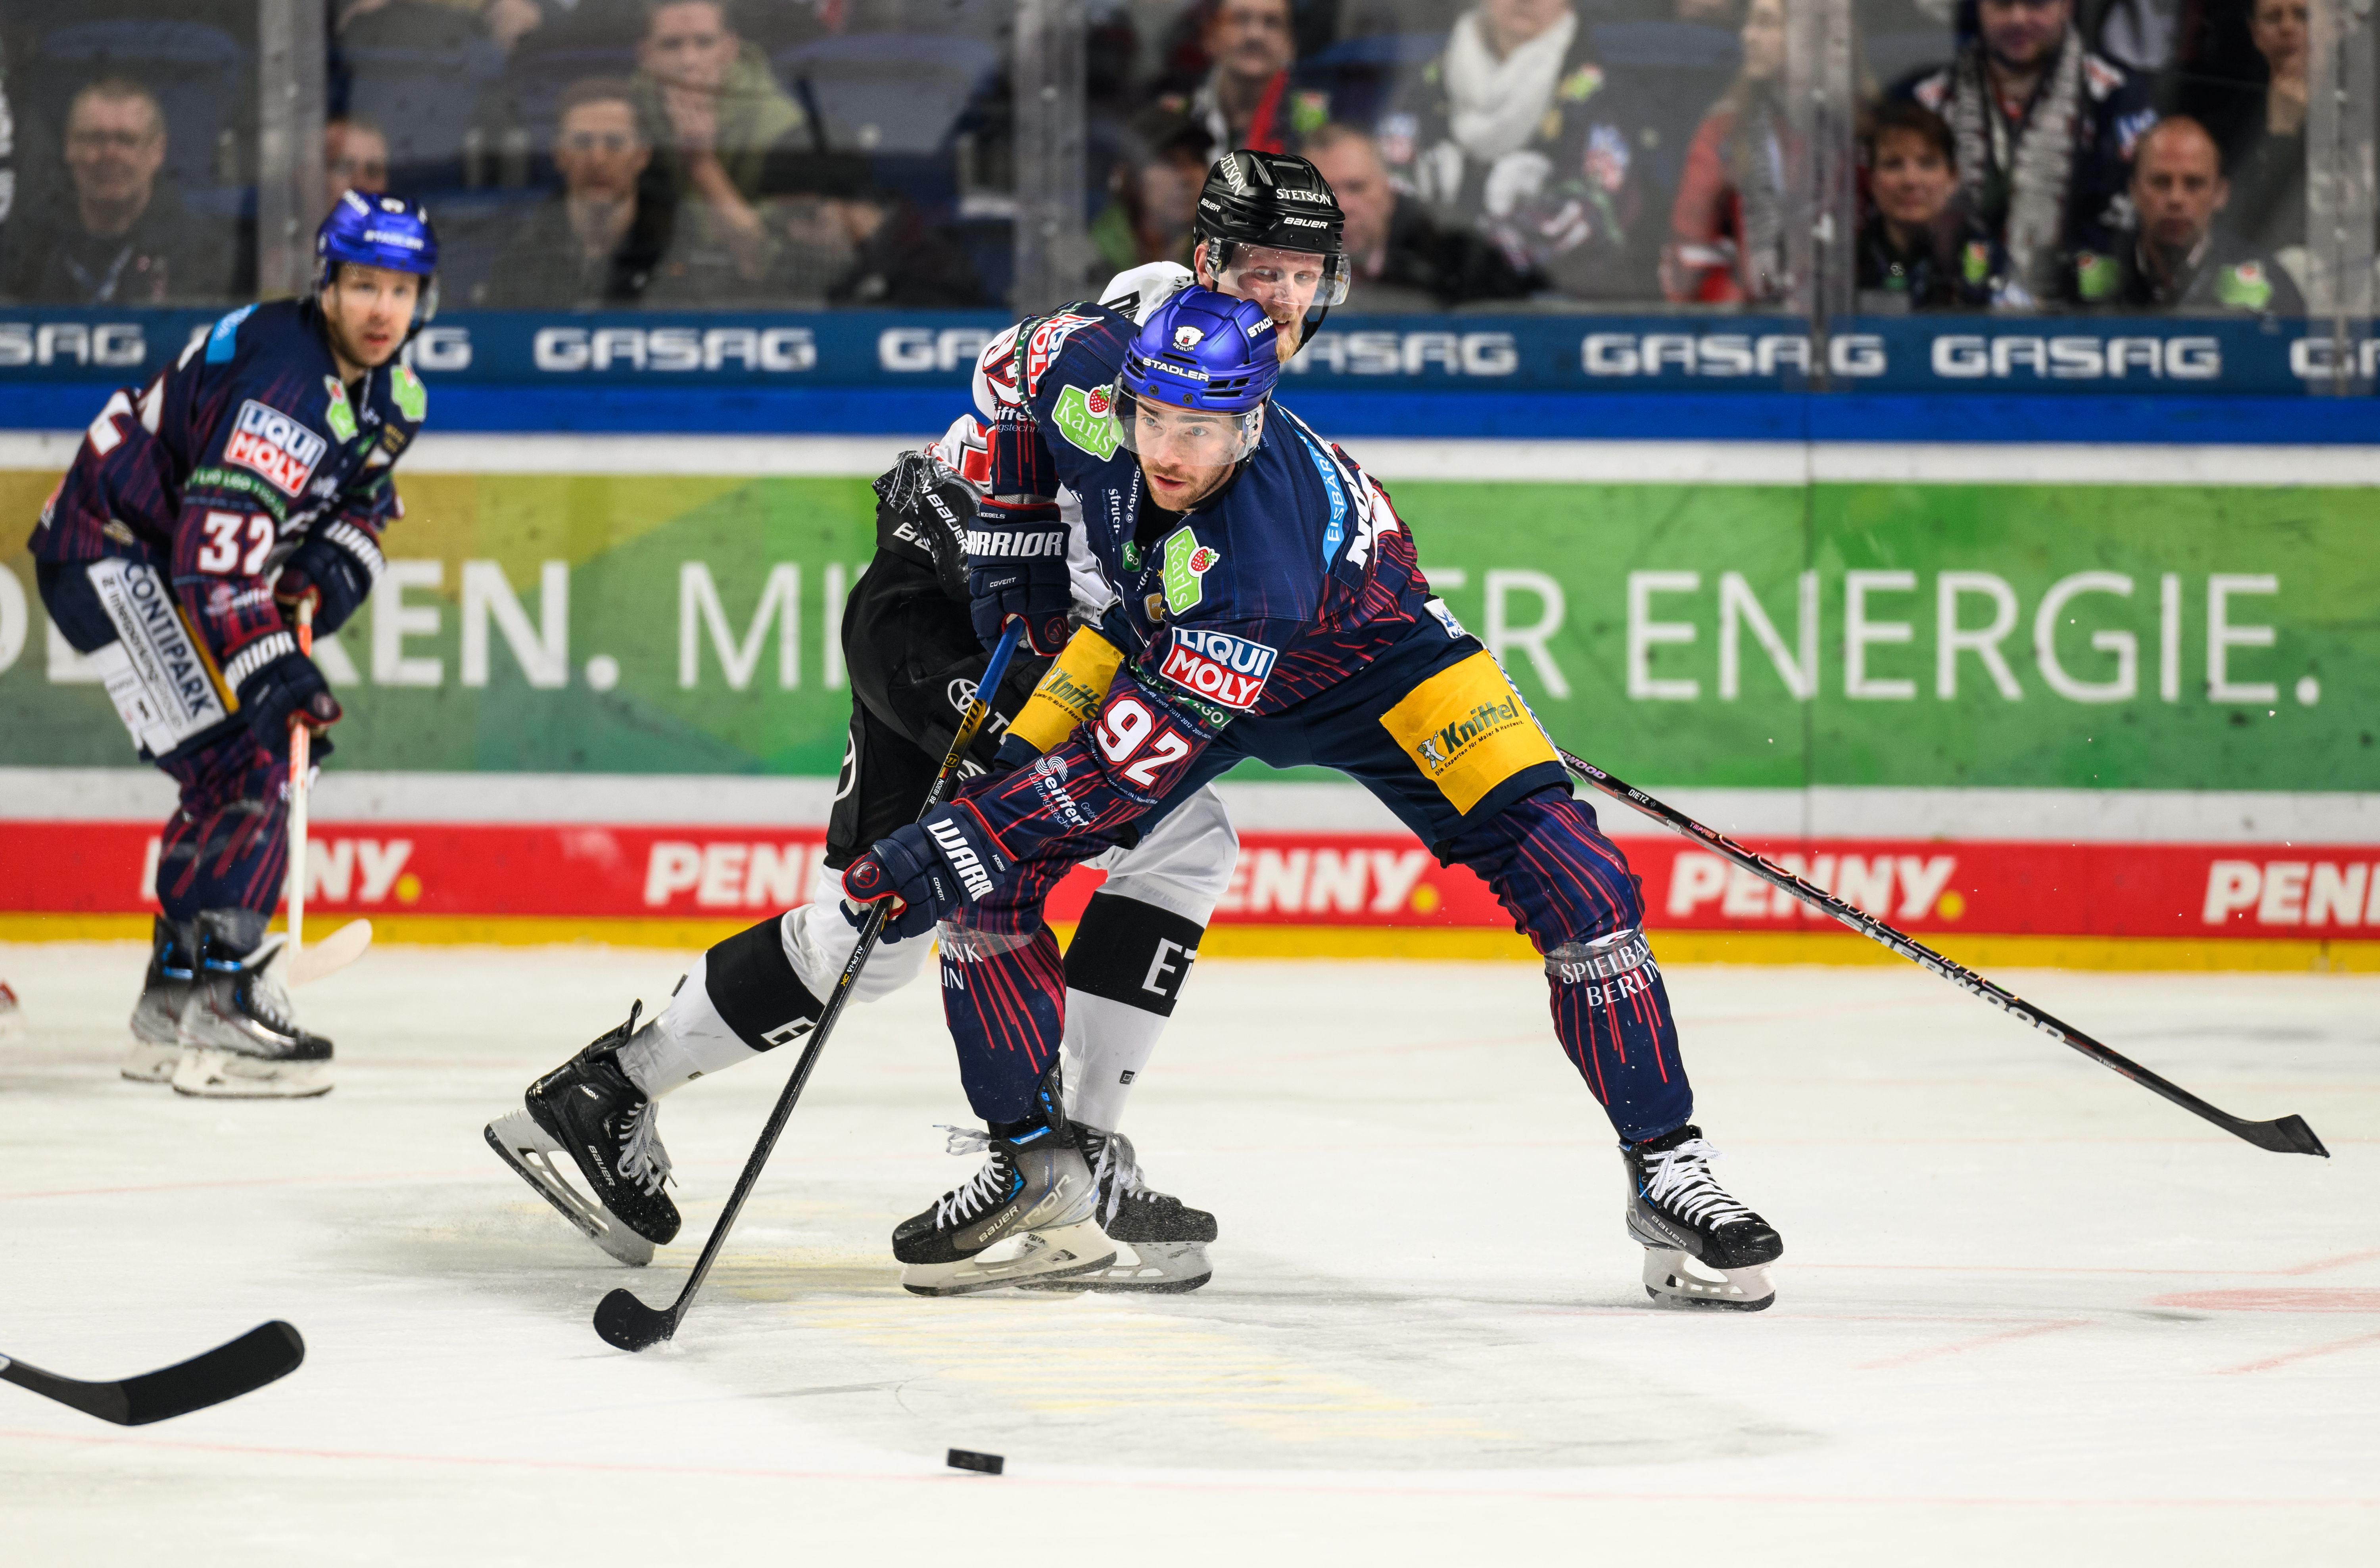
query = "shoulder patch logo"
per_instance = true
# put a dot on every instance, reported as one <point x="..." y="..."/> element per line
<point x="268" y="442"/>
<point x="224" y="342"/>
<point x="412" y="398"/>
<point x="1186" y="562"/>
<point x="340" y="416"/>
<point x="1082" y="417"/>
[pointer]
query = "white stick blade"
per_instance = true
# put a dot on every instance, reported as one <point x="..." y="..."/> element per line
<point x="332" y="953"/>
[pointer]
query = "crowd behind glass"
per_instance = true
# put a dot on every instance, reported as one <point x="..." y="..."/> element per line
<point x="1495" y="155"/>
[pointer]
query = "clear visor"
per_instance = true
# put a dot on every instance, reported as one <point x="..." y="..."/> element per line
<point x="1188" y="436"/>
<point x="1286" y="283"/>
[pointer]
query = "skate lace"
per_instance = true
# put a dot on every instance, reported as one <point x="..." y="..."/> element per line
<point x="1114" y="1168"/>
<point x="986" y="1189"/>
<point x="642" y="1159"/>
<point x="1680" y="1179"/>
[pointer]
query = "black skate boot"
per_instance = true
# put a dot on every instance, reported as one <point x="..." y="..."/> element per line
<point x="239" y="1040"/>
<point x="589" y="1109"/>
<point x="1679" y="1211"/>
<point x="157" y="1042"/>
<point x="1033" y="1189"/>
<point x="1167" y="1237"/>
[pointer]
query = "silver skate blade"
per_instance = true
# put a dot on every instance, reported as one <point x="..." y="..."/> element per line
<point x="1671" y="1281"/>
<point x="331" y="955"/>
<point x="150" y="1062"/>
<point x="1055" y="1253"/>
<point x="1160" y="1267"/>
<point x="206" y="1073"/>
<point x="529" y="1150"/>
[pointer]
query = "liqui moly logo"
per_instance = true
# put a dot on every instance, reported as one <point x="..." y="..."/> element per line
<point x="1227" y="670"/>
<point x="269" y="442"/>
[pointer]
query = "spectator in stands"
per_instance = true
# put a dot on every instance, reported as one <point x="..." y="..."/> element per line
<point x="7" y="151"/>
<point x="115" y="235"/>
<point x="2178" y="259"/>
<point x="714" y="113"/>
<point x="355" y="157"/>
<point x="2269" y="157"/>
<point x="1513" y="128"/>
<point x="595" y="244"/>
<point x="1152" y="193"/>
<point x="1244" y="101"/>
<point x="2044" y="131"/>
<point x="1402" y="261"/>
<point x="843" y="237"/>
<point x="1727" y="227"/>
<point x="1919" y="250"/>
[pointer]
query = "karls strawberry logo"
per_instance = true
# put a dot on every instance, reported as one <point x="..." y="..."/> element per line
<point x="1227" y="670"/>
<point x="268" y="442"/>
<point x="1097" y="401"/>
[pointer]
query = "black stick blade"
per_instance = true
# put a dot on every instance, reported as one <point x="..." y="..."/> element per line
<point x="258" y="1356"/>
<point x="2289" y="1136"/>
<point x="629" y="1324"/>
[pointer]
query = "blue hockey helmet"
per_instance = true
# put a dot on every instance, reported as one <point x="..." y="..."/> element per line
<point x="1203" y="353"/>
<point x="380" y="231"/>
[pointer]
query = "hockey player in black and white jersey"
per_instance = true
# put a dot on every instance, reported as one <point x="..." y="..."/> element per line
<point x="913" y="658"/>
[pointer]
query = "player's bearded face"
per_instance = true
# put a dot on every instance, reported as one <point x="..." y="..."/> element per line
<point x="368" y="310"/>
<point x="1284" y="282"/>
<point x="1184" y="455"/>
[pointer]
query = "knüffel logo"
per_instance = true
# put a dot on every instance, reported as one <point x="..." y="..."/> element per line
<point x="1442" y="750"/>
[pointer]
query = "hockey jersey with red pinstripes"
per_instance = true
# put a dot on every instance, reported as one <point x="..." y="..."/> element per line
<point x="217" y="468"/>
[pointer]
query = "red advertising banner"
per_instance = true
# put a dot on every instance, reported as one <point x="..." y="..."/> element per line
<point x="1283" y="879"/>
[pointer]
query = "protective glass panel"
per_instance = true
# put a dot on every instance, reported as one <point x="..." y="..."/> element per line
<point x="2130" y="157"/>
<point x="616" y="156"/>
<point x="127" y="151"/>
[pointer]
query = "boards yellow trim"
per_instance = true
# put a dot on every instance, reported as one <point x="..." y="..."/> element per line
<point x="1468" y="731"/>
<point x="1436" y="943"/>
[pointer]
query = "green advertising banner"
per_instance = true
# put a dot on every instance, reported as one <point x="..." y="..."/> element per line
<point x="1916" y="635"/>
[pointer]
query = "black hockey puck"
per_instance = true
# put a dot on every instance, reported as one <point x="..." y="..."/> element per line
<point x="989" y="1464"/>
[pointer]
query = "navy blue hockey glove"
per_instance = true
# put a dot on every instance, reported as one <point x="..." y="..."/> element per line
<point x="1017" y="571"/>
<point x="934" y="868"/>
<point x="337" y="564"/>
<point x="934" y="506"/>
<point x="275" y="683"/>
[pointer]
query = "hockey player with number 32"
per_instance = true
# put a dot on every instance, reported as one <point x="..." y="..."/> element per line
<point x="1269" y="605"/>
<point x="251" y="474"/>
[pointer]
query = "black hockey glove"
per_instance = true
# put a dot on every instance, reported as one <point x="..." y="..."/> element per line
<point x="337" y="564"/>
<point x="932" y="506"/>
<point x="932" y="868"/>
<point x="276" y="684"/>
<point x="1017" y="571"/>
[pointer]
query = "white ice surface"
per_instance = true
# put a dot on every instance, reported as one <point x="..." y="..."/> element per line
<point x="2027" y="1311"/>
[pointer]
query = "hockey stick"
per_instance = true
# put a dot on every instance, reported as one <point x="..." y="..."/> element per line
<point x="257" y="1358"/>
<point x="2290" y="1135"/>
<point x="622" y="1318"/>
<point x="301" y="746"/>
<point x="302" y="966"/>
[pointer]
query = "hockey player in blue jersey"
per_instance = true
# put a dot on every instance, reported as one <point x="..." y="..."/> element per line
<point x="252" y="474"/>
<point x="1265" y="602"/>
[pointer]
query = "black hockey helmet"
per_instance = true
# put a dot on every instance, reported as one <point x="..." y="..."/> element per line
<point x="1277" y="200"/>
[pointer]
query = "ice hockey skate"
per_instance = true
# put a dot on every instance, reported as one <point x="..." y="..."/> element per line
<point x="1167" y="1237"/>
<point x="239" y="1040"/>
<point x="1026" y="1215"/>
<point x="1682" y="1216"/>
<point x="157" y="1017"/>
<point x="587" y="1109"/>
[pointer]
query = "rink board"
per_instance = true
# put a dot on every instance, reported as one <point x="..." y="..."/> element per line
<point x="1374" y="892"/>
